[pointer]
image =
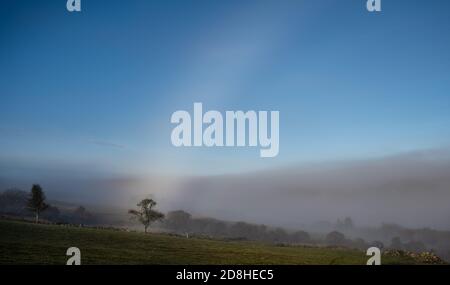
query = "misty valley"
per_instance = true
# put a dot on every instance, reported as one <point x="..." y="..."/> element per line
<point x="393" y="239"/>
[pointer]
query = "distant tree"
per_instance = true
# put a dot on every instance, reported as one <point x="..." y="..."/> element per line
<point x="81" y="215"/>
<point x="300" y="237"/>
<point x="335" y="238"/>
<point x="262" y="232"/>
<point x="52" y="214"/>
<point x="36" y="203"/>
<point x="278" y="235"/>
<point x="178" y="221"/>
<point x="208" y="226"/>
<point x="145" y="214"/>
<point x="216" y="228"/>
<point x="244" y="230"/>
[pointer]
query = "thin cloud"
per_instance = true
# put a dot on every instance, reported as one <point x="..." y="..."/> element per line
<point x="106" y="143"/>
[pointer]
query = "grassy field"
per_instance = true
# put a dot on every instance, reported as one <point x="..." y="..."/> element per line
<point x="27" y="243"/>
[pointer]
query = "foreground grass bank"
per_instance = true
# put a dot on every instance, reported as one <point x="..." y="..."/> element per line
<point x="27" y="243"/>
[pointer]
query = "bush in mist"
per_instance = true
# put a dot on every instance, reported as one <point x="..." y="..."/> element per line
<point x="335" y="238"/>
<point x="300" y="237"/>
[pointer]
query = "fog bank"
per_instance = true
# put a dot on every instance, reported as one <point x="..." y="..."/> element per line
<point x="411" y="189"/>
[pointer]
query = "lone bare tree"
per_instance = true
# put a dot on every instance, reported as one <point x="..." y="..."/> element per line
<point x="145" y="214"/>
<point x="36" y="203"/>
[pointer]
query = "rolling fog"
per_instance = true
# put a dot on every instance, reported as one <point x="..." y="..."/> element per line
<point x="411" y="189"/>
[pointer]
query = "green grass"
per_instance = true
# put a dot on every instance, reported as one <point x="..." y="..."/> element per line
<point x="27" y="243"/>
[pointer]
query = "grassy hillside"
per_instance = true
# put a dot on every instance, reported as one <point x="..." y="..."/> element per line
<point x="27" y="243"/>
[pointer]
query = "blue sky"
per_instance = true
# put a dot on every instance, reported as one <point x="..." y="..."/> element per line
<point x="95" y="90"/>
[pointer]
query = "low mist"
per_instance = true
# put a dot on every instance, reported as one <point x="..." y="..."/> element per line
<point x="411" y="189"/>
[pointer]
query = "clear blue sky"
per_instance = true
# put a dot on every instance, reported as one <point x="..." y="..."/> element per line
<point x="96" y="89"/>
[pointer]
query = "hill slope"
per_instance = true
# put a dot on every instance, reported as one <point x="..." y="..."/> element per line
<point x="26" y="243"/>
